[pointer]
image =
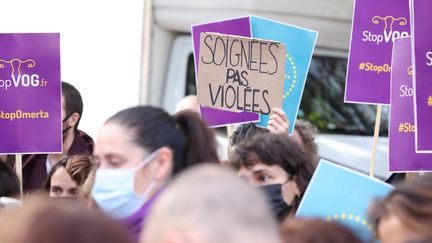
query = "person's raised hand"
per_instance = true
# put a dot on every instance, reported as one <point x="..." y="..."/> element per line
<point x="278" y="122"/>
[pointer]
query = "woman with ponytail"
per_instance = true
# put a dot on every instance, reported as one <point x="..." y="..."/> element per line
<point x="138" y="150"/>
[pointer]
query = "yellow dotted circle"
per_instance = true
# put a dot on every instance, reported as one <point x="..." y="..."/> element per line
<point x="291" y="61"/>
<point x="349" y="216"/>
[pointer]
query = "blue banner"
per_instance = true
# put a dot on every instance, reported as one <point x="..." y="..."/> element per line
<point x="300" y="44"/>
<point x="336" y="193"/>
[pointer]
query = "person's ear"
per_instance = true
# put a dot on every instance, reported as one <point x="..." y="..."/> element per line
<point x="73" y="119"/>
<point x="295" y="188"/>
<point x="164" y="160"/>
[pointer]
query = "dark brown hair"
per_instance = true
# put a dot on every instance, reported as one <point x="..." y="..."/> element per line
<point x="54" y="221"/>
<point x="246" y="132"/>
<point x="61" y="164"/>
<point x="73" y="101"/>
<point x="307" y="132"/>
<point x="316" y="231"/>
<point x="411" y="202"/>
<point x="275" y="149"/>
<point x="9" y="184"/>
<point x="185" y="134"/>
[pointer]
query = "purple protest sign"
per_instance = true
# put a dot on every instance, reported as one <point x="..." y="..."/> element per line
<point x="376" y="23"/>
<point x="30" y="93"/>
<point x="422" y="59"/>
<point x="402" y="153"/>
<point x="239" y="27"/>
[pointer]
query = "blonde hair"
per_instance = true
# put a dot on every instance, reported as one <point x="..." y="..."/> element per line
<point x="82" y="170"/>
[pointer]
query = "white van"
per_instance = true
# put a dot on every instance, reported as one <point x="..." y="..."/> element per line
<point x="346" y="129"/>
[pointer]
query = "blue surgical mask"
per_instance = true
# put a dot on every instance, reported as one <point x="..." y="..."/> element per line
<point x="114" y="190"/>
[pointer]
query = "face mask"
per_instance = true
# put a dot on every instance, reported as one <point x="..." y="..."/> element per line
<point x="114" y="190"/>
<point x="278" y="205"/>
<point x="68" y="127"/>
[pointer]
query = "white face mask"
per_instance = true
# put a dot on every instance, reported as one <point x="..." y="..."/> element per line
<point x="114" y="190"/>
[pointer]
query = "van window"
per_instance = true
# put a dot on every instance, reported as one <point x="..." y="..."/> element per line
<point x="190" y="76"/>
<point x="323" y="99"/>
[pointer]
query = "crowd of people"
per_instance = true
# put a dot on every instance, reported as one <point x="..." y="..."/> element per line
<point x="152" y="177"/>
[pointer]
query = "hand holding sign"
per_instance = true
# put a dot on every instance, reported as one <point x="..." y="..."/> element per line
<point x="278" y="122"/>
<point x="240" y="74"/>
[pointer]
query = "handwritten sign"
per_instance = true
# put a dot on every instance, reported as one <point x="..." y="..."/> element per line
<point x="336" y="193"/>
<point x="402" y="154"/>
<point x="236" y="26"/>
<point x="240" y="74"/>
<point x="376" y="24"/>
<point x="30" y="93"/>
<point x="422" y="42"/>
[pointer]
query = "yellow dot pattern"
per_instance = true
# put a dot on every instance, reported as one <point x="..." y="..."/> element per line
<point x="349" y="217"/>
<point x="292" y="63"/>
<point x="343" y="216"/>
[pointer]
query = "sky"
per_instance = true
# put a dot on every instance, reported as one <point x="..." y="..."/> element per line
<point x="100" y="48"/>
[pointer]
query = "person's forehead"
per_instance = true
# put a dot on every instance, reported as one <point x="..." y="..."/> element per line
<point x="261" y="167"/>
<point x="62" y="178"/>
<point x="114" y="140"/>
<point x="115" y="133"/>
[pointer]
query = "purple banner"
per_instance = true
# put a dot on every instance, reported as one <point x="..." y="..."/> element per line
<point x="30" y="93"/>
<point x="376" y="23"/>
<point x="402" y="154"/>
<point x="422" y="32"/>
<point x="240" y="27"/>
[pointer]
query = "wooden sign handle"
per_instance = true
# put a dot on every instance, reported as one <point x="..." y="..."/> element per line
<point x="375" y="141"/>
<point x="18" y="168"/>
<point x="230" y="130"/>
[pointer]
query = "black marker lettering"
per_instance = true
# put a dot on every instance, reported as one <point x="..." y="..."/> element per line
<point x="214" y="99"/>
<point x="226" y="96"/>
<point x="245" y="98"/>
<point x="271" y="53"/>
<point x="261" y="63"/>
<point x="264" y="93"/>
<point x="236" y="54"/>
<point x="211" y="50"/>
<point x="251" y="61"/>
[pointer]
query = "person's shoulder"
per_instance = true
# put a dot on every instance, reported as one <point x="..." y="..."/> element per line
<point x="83" y="143"/>
<point x="85" y="136"/>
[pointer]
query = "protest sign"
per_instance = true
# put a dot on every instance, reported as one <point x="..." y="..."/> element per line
<point x="373" y="31"/>
<point x="300" y="44"/>
<point x="237" y="26"/>
<point x="422" y="62"/>
<point x="336" y="193"/>
<point x="30" y="93"/>
<point x="402" y="154"/>
<point x="240" y="74"/>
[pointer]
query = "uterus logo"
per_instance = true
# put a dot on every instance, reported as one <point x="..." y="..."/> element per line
<point x="16" y="64"/>
<point x="389" y="33"/>
<point x="17" y="78"/>
<point x="389" y="22"/>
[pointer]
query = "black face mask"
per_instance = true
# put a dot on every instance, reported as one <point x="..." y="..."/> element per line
<point x="278" y="205"/>
<point x="68" y="127"/>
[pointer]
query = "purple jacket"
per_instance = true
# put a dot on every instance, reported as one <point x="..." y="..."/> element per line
<point x="134" y="223"/>
<point x="34" y="165"/>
